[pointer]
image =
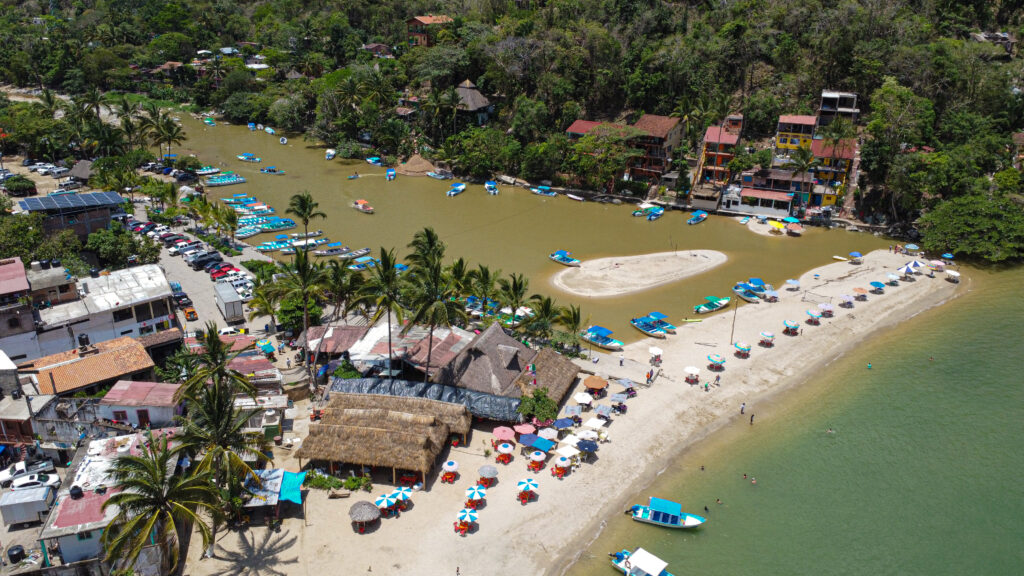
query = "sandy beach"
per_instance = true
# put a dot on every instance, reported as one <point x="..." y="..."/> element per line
<point x="543" y="537"/>
<point x="620" y="275"/>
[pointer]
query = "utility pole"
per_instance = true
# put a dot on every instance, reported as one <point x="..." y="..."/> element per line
<point x="735" y="311"/>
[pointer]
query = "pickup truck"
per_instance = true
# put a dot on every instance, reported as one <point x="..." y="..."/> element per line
<point x="24" y="468"/>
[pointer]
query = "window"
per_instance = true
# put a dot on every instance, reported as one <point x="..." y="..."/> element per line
<point x="123" y="315"/>
<point x="13" y="323"/>
<point x="142" y="312"/>
<point x="127" y="332"/>
<point x="159" y="308"/>
<point x="84" y="535"/>
<point x="64" y="289"/>
<point x="121" y="415"/>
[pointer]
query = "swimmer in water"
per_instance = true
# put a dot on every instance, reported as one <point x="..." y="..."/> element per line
<point x="753" y="480"/>
<point x="830" y="431"/>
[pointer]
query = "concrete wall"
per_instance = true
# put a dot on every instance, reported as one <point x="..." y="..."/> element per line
<point x="159" y="416"/>
<point x="73" y="549"/>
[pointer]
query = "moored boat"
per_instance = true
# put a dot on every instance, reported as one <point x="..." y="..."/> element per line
<point x="639" y="562"/>
<point x="354" y="254"/>
<point x="207" y="171"/>
<point x="644" y="324"/>
<point x="307" y="243"/>
<point x="456" y="189"/>
<point x="269" y="130"/>
<point x="282" y="140"/>
<point x="655" y="213"/>
<point x="575" y="197"/>
<point x="251" y="126"/>
<point x="440" y="175"/>
<point x="711" y="304"/>
<point x="601" y="337"/>
<point x="665" y="513"/>
<point x="363" y="206"/>
<point x="794" y="229"/>
<point x="491" y="187"/>
<point x="239" y="200"/>
<point x="698" y="217"/>
<point x="331" y="249"/>
<point x="390" y="174"/>
<point x="209" y="122"/>
<point x="313" y="234"/>
<point x="644" y="208"/>
<point x="362" y="263"/>
<point x="272" y="170"/>
<point x="746" y="292"/>
<point x="330" y="153"/>
<point x="543" y="191"/>
<point x="249" y="157"/>
<point x="564" y="258"/>
<point x="510" y="320"/>
<point x="373" y="160"/>
<point x="224" y="180"/>
<point x="745" y="220"/>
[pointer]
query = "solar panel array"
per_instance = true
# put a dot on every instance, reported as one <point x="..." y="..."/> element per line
<point x="71" y="201"/>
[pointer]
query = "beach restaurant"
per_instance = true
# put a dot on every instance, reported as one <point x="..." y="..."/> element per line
<point x="401" y="433"/>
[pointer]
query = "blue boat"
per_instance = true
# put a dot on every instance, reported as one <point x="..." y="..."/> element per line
<point x="440" y="175"/>
<point x="665" y="513"/>
<point x="745" y="219"/>
<point x="249" y="157"/>
<point x="390" y="174"/>
<point x="272" y="170"/>
<point x="240" y="200"/>
<point x="757" y="286"/>
<point x="456" y="189"/>
<point x="658" y="319"/>
<point x="209" y="122"/>
<point x="374" y="160"/>
<point x="363" y="263"/>
<point x="207" y="171"/>
<point x="655" y="213"/>
<point x="269" y="130"/>
<point x="601" y="337"/>
<point x="399" y="267"/>
<point x="330" y="153"/>
<point x="639" y="562"/>
<point x="543" y="191"/>
<point x="252" y="126"/>
<point x="645" y="325"/>
<point x="746" y="292"/>
<point x="332" y="249"/>
<point x="564" y="258"/>
<point x="698" y="217"/>
<point x="224" y="180"/>
<point x="491" y="187"/>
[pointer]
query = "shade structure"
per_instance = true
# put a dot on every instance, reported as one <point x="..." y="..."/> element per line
<point x="265" y="345"/>
<point x="936" y="263"/>
<point x="912" y="247"/>
<point x="877" y="285"/>
<point x="505" y="448"/>
<point x="603" y="410"/>
<point x="814" y="314"/>
<point x="562" y="423"/>
<point x="402" y="493"/>
<point x="793" y="282"/>
<point x="777" y="224"/>
<point x="527" y="484"/>
<point x="742" y="346"/>
<point x="587" y="446"/>
<point x="542" y="444"/>
<point x="893" y="277"/>
<point x="568" y="451"/>
<point x="790" y="324"/>
<point x="477" y="492"/>
<point x="825" y="307"/>
<point x="562" y="462"/>
<point x="588" y="435"/>
<point x="947" y="256"/>
<point x="692" y="370"/>
<point x="655" y="351"/>
<point x="583" y="398"/>
<point x="363" y="511"/>
<point x="716" y="359"/>
<point x="450" y="466"/>
<point x="488" y="471"/>
<point x="527" y="439"/>
<point x="790" y="220"/>
<point x="906" y="270"/>
<point x="860" y="290"/>
<point x="620" y="397"/>
<point x="595" y="383"/>
<point x="595" y="423"/>
<point x="569" y="440"/>
<point x="538" y="456"/>
<point x="768" y="335"/>
<point x="915" y="264"/>
<point x="548" y="433"/>
<point x="385" y="501"/>
<point x="504" y="433"/>
<point x="467" y="515"/>
<point x="524" y="428"/>
<point x="855" y="254"/>
<point x="846" y="298"/>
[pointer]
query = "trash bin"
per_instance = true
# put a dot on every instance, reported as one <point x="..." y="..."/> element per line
<point x="16" y="554"/>
<point x="277" y="440"/>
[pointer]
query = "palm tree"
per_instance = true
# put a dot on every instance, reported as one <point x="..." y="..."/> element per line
<point x="376" y="88"/>
<point x="435" y="303"/>
<point x="228" y="219"/>
<point x="215" y="430"/>
<point x="427" y="248"/>
<point x="482" y="285"/>
<point x="91" y="100"/>
<point x="133" y="132"/>
<point x="155" y="505"/>
<point x="801" y="162"/>
<point x="214" y="361"/>
<point x="545" y="315"/>
<point x="123" y="105"/>
<point x="570" y="318"/>
<point x="168" y="132"/>
<point x="303" y="207"/>
<point x="512" y="293"/>
<point x="304" y="280"/>
<point x="264" y="303"/>
<point x="384" y="287"/>
<point x="461" y="276"/>
<point x="345" y="288"/>
<point x="50" y="102"/>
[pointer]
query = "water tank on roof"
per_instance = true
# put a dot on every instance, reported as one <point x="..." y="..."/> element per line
<point x="83" y="339"/>
<point x="94" y="273"/>
<point x="44" y="264"/>
<point x="16" y="554"/>
<point x="36" y="265"/>
<point x="76" y="492"/>
<point x="55" y="263"/>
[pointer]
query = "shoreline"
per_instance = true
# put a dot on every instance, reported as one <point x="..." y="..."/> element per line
<point x="621" y="275"/>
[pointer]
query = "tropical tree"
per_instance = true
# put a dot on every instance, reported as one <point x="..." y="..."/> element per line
<point x="305" y="281"/>
<point x="168" y="132"/>
<point x="50" y="102"/>
<point x="434" y="302"/>
<point x="571" y="319"/>
<point x="427" y="248"/>
<point x="461" y="276"/>
<point x="228" y="219"/>
<point x="512" y="293"/>
<point x="384" y="287"/>
<point x="345" y="288"/>
<point x="800" y="163"/>
<point x="303" y="207"/>
<point x="156" y="506"/>
<point x="482" y="284"/>
<point x="545" y="315"/>
<point x="264" y="303"/>
<point x="215" y="369"/>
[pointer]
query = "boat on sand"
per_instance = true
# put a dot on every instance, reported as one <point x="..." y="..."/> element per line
<point x="660" y="320"/>
<point x="564" y="258"/>
<point x="711" y="304"/>
<point x="644" y="324"/>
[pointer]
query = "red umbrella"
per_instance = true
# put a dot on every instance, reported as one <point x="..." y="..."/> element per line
<point x="504" y="433"/>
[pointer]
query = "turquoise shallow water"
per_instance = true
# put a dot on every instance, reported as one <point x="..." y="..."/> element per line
<point x="922" y="475"/>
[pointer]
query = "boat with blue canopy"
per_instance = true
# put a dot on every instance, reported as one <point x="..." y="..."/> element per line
<point x="665" y="513"/>
<point x="564" y="258"/>
<point x="373" y="160"/>
<point x="331" y="249"/>
<point x="252" y="126"/>
<point x="330" y="153"/>
<point x="659" y="320"/>
<point x="601" y="337"/>
<point x="269" y="130"/>
<point x="249" y="157"/>
<point x="491" y="187"/>
<point x="209" y="122"/>
<point x="644" y="324"/>
<point x="711" y="304"/>
<point x="207" y="171"/>
<point x="390" y="174"/>
<point x="240" y="199"/>
<point x="272" y="170"/>
<point x="746" y="292"/>
<point x="698" y="217"/>
<point x="456" y="189"/>
<point x="655" y="213"/>
<point x="543" y="191"/>
<point x="363" y="263"/>
<point x="639" y="562"/>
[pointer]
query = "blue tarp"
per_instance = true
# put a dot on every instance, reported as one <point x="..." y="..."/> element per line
<point x="657" y="316"/>
<point x="543" y="444"/>
<point x="291" y="486"/>
<point x="747" y="287"/>
<point x="528" y="439"/>
<point x="559" y="424"/>
<point x="599" y="331"/>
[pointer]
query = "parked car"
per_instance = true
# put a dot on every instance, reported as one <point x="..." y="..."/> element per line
<point x="35" y="481"/>
<point x="24" y="468"/>
<point x="190" y="314"/>
<point x="186" y="177"/>
<point x="218" y="274"/>
<point x="27" y="162"/>
<point x="181" y="299"/>
<point x="58" y="172"/>
<point x="191" y="257"/>
<point x="157" y="231"/>
<point x="218" y="266"/>
<point x="201" y="262"/>
<point x="182" y="248"/>
<point x="227" y="331"/>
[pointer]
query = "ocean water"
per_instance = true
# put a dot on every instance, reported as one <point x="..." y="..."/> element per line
<point x="923" y="472"/>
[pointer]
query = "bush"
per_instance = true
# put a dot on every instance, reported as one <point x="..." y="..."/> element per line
<point x="347" y="370"/>
<point x="318" y="481"/>
<point x="19" y="185"/>
<point x="260" y="268"/>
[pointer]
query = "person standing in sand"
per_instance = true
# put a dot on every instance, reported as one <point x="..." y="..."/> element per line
<point x="743" y="407"/>
<point x="751" y="418"/>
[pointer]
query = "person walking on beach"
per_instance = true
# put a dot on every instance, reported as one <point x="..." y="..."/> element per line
<point x="751" y="418"/>
<point x="622" y="359"/>
<point x="743" y="407"/>
<point x="718" y="379"/>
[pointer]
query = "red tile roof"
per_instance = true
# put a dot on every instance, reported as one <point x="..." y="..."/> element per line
<point x="825" y="149"/>
<point x="798" y="119"/>
<point x="71" y="370"/>
<point x="767" y="194"/>
<point x="582" y="126"/>
<point x="12" y="276"/>
<point x="251" y="364"/>
<point x="717" y="134"/>
<point x="656" y="126"/>
<point x="431" y="19"/>
<point x="131" y="393"/>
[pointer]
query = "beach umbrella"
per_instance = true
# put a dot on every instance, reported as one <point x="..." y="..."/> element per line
<point x="915" y="264"/>
<point x="777" y="224"/>
<point x="573" y="410"/>
<point x="450" y="466"/>
<point x="595" y="382"/>
<point x="528" y="484"/>
<point x="504" y="433"/>
<point x="467" y="515"/>
<point x="477" y="492"/>
<point x="825" y="306"/>
<point x="385" y="501"/>
<point x="906" y="270"/>
<point x="620" y="397"/>
<point x="855" y="254"/>
<point x="692" y="370"/>
<point x="548" y="433"/>
<point x="893" y="277"/>
<point x="587" y="446"/>
<point x="790" y="220"/>
<point x="363" y="511"/>
<point x="912" y="247"/>
<point x="506" y="448"/>
<point x="790" y="324"/>
<point x="562" y="423"/>
<point x="937" y="263"/>
<point x="524" y="428"/>
<point x="878" y="285"/>
<point x="587" y="435"/>
<point x="562" y="462"/>
<point x="402" y="493"/>
<point x="583" y="398"/>
<point x="742" y="346"/>
<point x="952" y="273"/>
<point x="947" y="256"/>
<point x="814" y="314"/>
<point x="860" y="290"/>
<point x="528" y="439"/>
<point x="569" y="440"/>
<point x="716" y="359"/>
<point x="768" y="335"/>
<point x="846" y="298"/>
<point x="793" y="282"/>
<point x="538" y="456"/>
<point x="488" y="471"/>
<point x="771" y="294"/>
<point x="655" y="351"/>
<point x="595" y="423"/>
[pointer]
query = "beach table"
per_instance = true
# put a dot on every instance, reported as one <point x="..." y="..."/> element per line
<point x="618" y="397"/>
<point x="594" y="423"/>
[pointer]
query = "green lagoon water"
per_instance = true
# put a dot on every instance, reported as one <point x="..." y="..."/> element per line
<point x="924" y="473"/>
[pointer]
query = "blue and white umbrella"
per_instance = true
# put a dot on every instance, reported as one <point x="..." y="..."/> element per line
<point x="856" y="254"/>
<point x="528" y="484"/>
<point x="906" y="270"/>
<point x="912" y="247"/>
<point x="793" y="282"/>
<point x="877" y="285"/>
<point x="402" y="493"/>
<point x="947" y="256"/>
<point x="477" y="492"/>
<point x="916" y="264"/>
<point x="467" y="515"/>
<point x="385" y="501"/>
<point x="790" y="220"/>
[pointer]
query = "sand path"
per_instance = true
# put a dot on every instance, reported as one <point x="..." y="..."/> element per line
<point x="620" y="275"/>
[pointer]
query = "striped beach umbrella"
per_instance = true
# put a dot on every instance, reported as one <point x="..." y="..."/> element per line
<point x="790" y="324"/>
<point x="467" y="515"/>
<point x="716" y="359"/>
<point x="402" y="493"/>
<point x="742" y="346"/>
<point x="814" y="314"/>
<point x="385" y="501"/>
<point x="768" y="335"/>
<point x="527" y="484"/>
<point x="477" y="492"/>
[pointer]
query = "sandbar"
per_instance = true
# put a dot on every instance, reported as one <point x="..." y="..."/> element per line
<point x="620" y="275"/>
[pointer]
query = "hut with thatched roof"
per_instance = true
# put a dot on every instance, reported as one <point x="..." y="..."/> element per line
<point x="384" y="431"/>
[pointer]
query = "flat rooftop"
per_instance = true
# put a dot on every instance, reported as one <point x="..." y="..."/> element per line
<point x="119" y="289"/>
<point x="132" y="393"/>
